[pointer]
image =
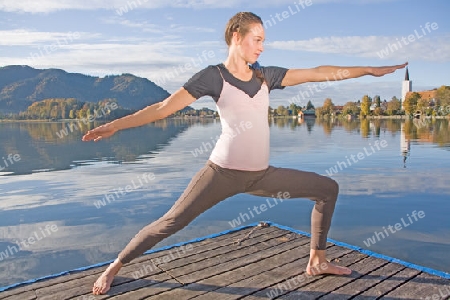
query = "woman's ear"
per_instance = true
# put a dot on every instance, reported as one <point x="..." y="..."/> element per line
<point x="236" y="38"/>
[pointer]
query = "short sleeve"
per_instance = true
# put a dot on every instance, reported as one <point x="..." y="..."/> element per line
<point x="274" y="76"/>
<point x="206" y="82"/>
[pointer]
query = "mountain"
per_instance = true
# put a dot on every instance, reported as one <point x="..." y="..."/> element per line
<point x="20" y="86"/>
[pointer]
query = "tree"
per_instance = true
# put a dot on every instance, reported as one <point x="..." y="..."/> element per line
<point x="350" y="108"/>
<point x="377" y="100"/>
<point x="328" y="107"/>
<point x="309" y="105"/>
<point x="378" y="111"/>
<point x="410" y="102"/>
<point x="366" y="102"/>
<point x="422" y="105"/>
<point x="443" y="98"/>
<point x="294" y="108"/>
<point x="319" y="112"/>
<point x="393" y="106"/>
<point x="54" y="112"/>
<point x="282" y="111"/>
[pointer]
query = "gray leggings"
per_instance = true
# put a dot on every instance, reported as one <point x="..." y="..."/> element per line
<point x="213" y="184"/>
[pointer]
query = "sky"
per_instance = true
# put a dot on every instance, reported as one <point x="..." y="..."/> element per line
<point x="167" y="42"/>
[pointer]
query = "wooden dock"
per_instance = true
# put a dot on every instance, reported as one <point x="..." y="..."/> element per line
<point x="256" y="262"/>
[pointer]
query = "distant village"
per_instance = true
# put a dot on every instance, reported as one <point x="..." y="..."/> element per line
<point x="412" y="104"/>
<point x="431" y="103"/>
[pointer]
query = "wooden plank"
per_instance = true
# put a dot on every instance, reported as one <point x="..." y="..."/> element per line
<point x="234" y="259"/>
<point x="250" y="270"/>
<point x="26" y="295"/>
<point x="202" y="246"/>
<point x="193" y="276"/>
<point x="185" y="262"/>
<point x="222" y="249"/>
<point x="83" y="286"/>
<point x="284" y="284"/>
<point x="388" y="284"/>
<point x="219" y="257"/>
<point x="283" y="266"/>
<point x="422" y="286"/>
<point x="148" y="290"/>
<point x="360" y="263"/>
<point x="367" y="281"/>
<point x="351" y="285"/>
<point x="128" y="290"/>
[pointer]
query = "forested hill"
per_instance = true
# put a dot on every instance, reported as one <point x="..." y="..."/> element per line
<point x="20" y="86"/>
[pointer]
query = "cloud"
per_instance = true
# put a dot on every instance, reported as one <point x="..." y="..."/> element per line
<point x="169" y="63"/>
<point x="155" y="28"/>
<point x="48" y="6"/>
<point x="24" y="37"/>
<point x="426" y="48"/>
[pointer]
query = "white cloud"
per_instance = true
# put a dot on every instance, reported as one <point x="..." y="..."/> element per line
<point x="155" y="28"/>
<point x="426" y="48"/>
<point x="167" y="63"/>
<point x="23" y="37"/>
<point x="47" y="6"/>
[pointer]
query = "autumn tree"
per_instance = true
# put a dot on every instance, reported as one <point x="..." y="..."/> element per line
<point x="328" y="107"/>
<point x="366" y="102"/>
<point x="422" y="105"/>
<point x="350" y="108"/>
<point x="282" y="111"/>
<point x="410" y="103"/>
<point x="393" y="106"/>
<point x="443" y="98"/>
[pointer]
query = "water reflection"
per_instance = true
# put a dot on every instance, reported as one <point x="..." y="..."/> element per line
<point x="43" y="146"/>
<point x="423" y="130"/>
<point x="375" y="192"/>
<point x="405" y="145"/>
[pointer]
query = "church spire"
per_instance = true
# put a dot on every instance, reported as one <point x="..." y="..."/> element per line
<point x="407" y="75"/>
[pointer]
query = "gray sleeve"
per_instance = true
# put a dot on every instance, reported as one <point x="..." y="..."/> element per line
<point x="274" y="76"/>
<point x="206" y="82"/>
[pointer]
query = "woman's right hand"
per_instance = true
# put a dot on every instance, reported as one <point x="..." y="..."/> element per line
<point x="101" y="132"/>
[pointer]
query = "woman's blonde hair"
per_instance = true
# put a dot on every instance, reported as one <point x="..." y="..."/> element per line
<point x="241" y="23"/>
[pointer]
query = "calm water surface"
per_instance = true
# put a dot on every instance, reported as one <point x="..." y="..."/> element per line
<point x="52" y="218"/>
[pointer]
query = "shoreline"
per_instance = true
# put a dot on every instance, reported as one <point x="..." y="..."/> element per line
<point x="396" y="117"/>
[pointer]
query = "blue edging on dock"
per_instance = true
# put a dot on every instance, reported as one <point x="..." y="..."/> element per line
<point x="342" y="244"/>
<point x="2" y="289"/>
<point x="371" y="253"/>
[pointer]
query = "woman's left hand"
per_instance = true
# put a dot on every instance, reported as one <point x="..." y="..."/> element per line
<point x="381" y="71"/>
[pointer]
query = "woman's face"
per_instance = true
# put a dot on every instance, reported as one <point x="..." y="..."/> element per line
<point x="251" y="45"/>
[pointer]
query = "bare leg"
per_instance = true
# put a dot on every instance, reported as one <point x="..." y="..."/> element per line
<point x="103" y="283"/>
<point x="318" y="265"/>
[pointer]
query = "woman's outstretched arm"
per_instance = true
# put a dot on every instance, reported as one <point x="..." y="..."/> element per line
<point x="334" y="73"/>
<point x="178" y="100"/>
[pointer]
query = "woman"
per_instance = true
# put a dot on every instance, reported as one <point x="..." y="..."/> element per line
<point x="239" y="161"/>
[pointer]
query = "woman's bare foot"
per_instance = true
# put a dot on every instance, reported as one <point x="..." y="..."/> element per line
<point x="318" y="265"/>
<point x="103" y="283"/>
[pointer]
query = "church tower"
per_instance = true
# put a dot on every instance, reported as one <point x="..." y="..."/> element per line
<point x="406" y="87"/>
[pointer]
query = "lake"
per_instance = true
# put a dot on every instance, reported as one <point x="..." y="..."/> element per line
<point x="66" y="204"/>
